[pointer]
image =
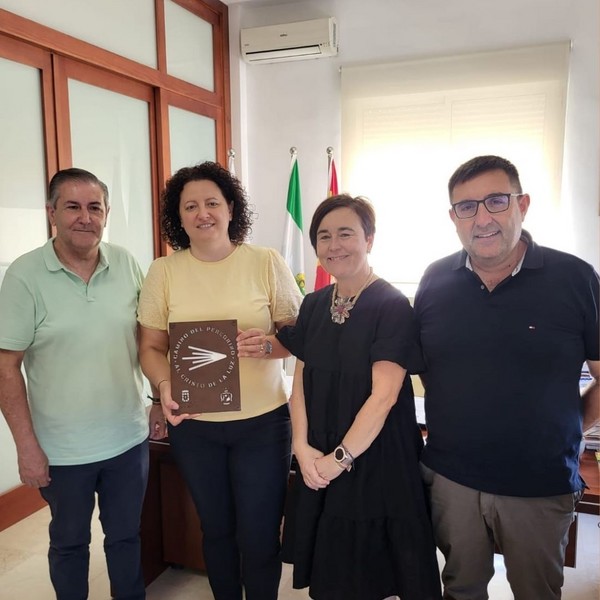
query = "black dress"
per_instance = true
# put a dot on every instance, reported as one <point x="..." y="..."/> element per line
<point x="368" y="534"/>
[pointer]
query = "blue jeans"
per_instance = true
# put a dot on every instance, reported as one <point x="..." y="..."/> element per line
<point x="121" y="484"/>
<point x="237" y="474"/>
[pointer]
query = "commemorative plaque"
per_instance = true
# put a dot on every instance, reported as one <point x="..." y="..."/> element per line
<point x="205" y="373"/>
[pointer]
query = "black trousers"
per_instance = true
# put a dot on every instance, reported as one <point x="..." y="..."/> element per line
<point x="120" y="483"/>
<point x="237" y="474"/>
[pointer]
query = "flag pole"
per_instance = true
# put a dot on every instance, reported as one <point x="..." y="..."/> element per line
<point x="231" y="161"/>
<point x="329" y="159"/>
<point x="332" y="184"/>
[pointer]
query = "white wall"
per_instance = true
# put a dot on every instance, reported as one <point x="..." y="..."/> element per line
<point x="298" y="103"/>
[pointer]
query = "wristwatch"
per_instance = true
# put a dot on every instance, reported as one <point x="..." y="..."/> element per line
<point x="268" y="347"/>
<point x="343" y="458"/>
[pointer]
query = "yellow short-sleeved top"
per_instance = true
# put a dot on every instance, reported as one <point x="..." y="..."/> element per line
<point x="252" y="284"/>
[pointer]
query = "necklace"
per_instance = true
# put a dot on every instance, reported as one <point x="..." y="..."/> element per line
<point x="341" y="307"/>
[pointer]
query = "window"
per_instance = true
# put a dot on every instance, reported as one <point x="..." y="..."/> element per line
<point x="152" y="98"/>
<point x="407" y="126"/>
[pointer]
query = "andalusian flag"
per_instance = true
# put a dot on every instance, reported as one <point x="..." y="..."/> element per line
<point x="293" y="248"/>
<point x="323" y="278"/>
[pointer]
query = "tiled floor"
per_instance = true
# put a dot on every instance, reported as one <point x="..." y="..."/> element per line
<point x="24" y="571"/>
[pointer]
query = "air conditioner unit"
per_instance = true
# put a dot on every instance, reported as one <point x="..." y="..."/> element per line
<point x="291" y="41"/>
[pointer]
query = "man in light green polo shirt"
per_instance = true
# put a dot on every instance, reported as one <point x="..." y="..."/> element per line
<point x="68" y="314"/>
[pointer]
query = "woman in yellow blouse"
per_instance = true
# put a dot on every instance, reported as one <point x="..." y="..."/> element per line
<point x="235" y="464"/>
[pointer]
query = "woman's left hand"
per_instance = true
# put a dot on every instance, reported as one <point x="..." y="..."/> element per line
<point x="252" y="343"/>
<point x="328" y="468"/>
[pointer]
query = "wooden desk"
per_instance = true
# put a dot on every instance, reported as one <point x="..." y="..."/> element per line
<point x="170" y="529"/>
<point x="590" y="502"/>
<point x="589" y="468"/>
<point x="171" y="533"/>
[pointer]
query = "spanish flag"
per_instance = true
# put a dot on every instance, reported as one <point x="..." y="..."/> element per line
<point x="323" y="278"/>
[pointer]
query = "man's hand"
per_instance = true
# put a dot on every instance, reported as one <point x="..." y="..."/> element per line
<point x="32" y="461"/>
<point x="33" y="466"/>
<point x="157" y="423"/>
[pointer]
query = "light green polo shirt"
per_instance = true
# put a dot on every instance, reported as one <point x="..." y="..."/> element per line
<point x="84" y="381"/>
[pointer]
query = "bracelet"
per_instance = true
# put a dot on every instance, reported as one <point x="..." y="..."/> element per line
<point x="158" y="384"/>
<point x="343" y="458"/>
<point x="347" y="452"/>
<point x="155" y="401"/>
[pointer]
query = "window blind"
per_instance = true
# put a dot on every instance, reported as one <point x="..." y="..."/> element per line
<point x="407" y="126"/>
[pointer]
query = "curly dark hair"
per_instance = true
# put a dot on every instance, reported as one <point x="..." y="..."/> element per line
<point x="240" y="225"/>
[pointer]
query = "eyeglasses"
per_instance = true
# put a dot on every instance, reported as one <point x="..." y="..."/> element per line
<point x="494" y="203"/>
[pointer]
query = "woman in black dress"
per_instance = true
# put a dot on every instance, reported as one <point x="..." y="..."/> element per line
<point x="357" y="525"/>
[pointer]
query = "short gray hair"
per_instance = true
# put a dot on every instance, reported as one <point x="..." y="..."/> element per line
<point x="73" y="174"/>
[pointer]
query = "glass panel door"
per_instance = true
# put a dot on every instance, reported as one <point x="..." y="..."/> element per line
<point x="193" y="138"/>
<point x="25" y="76"/>
<point x="189" y="45"/>
<point x="23" y="224"/>
<point x="111" y="136"/>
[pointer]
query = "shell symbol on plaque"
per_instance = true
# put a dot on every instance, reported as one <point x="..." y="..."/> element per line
<point x="201" y="357"/>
